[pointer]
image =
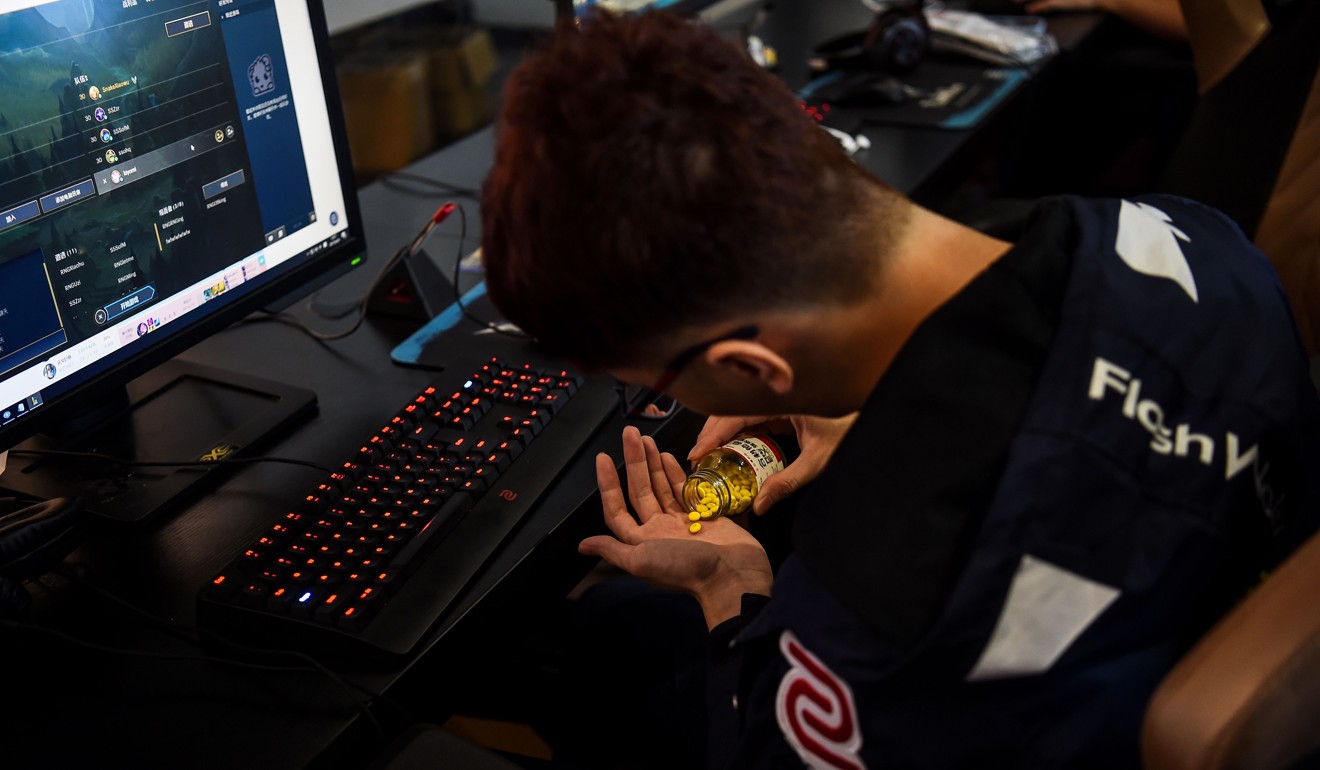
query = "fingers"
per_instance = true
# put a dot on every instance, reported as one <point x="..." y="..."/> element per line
<point x="677" y="478"/>
<point x="639" y="475"/>
<point x="718" y="430"/>
<point x="607" y="548"/>
<point x="777" y="487"/>
<point x="660" y="485"/>
<point x="612" y="501"/>
<point x="655" y="484"/>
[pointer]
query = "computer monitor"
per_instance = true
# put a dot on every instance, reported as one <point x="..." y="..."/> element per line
<point x="166" y="168"/>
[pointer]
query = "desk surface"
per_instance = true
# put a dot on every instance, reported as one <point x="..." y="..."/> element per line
<point x="159" y="703"/>
<point x="190" y="712"/>
<point x="924" y="163"/>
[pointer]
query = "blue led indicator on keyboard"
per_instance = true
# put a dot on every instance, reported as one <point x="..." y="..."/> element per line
<point x="416" y="516"/>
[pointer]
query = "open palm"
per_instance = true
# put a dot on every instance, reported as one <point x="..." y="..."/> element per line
<point x="718" y="564"/>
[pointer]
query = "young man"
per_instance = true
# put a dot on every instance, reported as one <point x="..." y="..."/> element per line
<point x="1040" y="469"/>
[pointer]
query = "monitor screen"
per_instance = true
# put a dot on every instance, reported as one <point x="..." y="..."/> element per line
<point x="166" y="167"/>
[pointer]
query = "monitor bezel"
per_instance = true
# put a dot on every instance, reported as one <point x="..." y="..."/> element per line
<point x="282" y="284"/>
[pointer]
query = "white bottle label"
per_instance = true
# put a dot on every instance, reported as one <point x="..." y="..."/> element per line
<point x="764" y="458"/>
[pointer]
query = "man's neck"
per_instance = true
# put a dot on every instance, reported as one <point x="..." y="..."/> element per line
<point x="934" y="259"/>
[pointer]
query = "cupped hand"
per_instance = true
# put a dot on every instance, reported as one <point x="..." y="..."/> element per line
<point x="717" y="565"/>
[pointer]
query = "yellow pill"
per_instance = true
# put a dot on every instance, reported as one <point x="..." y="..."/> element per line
<point x="707" y="514"/>
<point x="693" y="516"/>
<point x="695" y="528"/>
<point x="702" y="508"/>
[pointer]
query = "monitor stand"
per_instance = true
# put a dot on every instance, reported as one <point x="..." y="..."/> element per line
<point x="177" y="411"/>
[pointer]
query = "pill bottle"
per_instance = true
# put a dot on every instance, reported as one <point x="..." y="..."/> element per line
<point x="725" y="481"/>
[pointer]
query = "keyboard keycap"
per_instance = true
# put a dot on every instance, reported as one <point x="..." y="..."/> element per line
<point x="334" y="573"/>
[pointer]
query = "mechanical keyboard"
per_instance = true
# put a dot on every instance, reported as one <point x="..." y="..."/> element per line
<point x="374" y="554"/>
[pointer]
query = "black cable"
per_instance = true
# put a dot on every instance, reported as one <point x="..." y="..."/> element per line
<point x="359" y="308"/>
<point x="204" y="658"/>
<point x="440" y="189"/>
<point x="16" y="625"/>
<point x="439" y="192"/>
<point x="167" y="463"/>
<point x="183" y="632"/>
<point x="458" y="295"/>
<point x="406" y="251"/>
<point x="644" y="404"/>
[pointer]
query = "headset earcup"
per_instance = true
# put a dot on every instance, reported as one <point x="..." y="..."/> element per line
<point x="897" y="39"/>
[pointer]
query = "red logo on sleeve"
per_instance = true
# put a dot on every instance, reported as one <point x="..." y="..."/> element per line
<point x="816" y="711"/>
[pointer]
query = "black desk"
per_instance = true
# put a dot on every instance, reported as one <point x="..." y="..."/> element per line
<point x="78" y="707"/>
<point x="926" y="164"/>
<point x="68" y="705"/>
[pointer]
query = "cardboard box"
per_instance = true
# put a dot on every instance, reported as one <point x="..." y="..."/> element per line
<point x="462" y="65"/>
<point x="388" y="109"/>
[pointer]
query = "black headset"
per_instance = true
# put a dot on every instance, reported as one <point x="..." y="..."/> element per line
<point x="895" y="42"/>
<point x="34" y="534"/>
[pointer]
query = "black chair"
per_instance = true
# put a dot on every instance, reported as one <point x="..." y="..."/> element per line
<point x="1234" y="146"/>
<point x="1247" y="695"/>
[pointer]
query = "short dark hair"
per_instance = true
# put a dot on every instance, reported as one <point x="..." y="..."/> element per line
<point x="650" y="177"/>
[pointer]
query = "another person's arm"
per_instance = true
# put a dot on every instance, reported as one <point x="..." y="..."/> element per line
<point x="1163" y="18"/>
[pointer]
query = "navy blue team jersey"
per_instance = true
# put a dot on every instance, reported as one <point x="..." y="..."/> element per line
<point x="1071" y="469"/>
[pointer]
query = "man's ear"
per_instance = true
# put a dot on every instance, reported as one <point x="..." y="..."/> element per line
<point x="750" y="358"/>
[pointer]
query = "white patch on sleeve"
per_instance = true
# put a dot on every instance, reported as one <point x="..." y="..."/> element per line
<point x="1148" y="243"/>
<point x="1048" y="608"/>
